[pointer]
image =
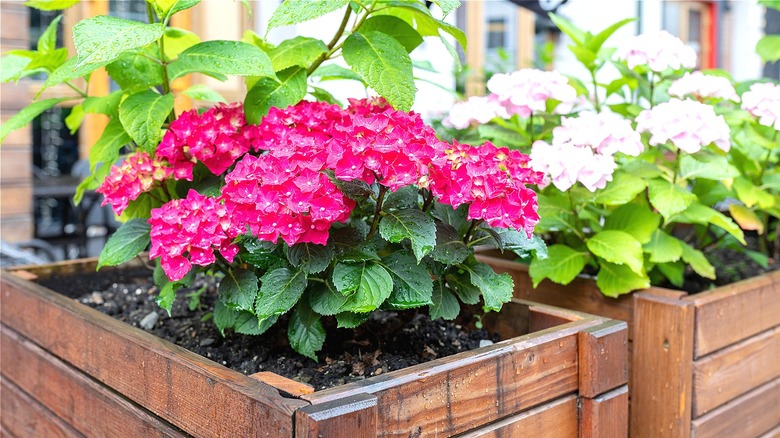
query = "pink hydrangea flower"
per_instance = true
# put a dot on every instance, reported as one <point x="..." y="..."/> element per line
<point x="479" y="109"/>
<point x="763" y="101"/>
<point x="605" y="132"/>
<point x="491" y="179"/>
<point x="186" y="232"/>
<point x="527" y="91"/>
<point x="699" y="85"/>
<point x="688" y="124"/>
<point x="659" y="51"/>
<point x="214" y="138"/>
<point x="137" y="174"/>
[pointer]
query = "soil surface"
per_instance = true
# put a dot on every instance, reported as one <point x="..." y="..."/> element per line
<point x="386" y="342"/>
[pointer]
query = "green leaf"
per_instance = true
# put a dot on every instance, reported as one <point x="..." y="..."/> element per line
<point x="555" y="211"/>
<point x="69" y="71"/>
<point x="12" y="67"/>
<point x="269" y="92"/>
<point x="298" y="11"/>
<point x="411" y="224"/>
<point x="27" y="114"/>
<point x="697" y="213"/>
<point x="501" y="136"/>
<point x="50" y="5"/>
<point x="412" y="283"/>
<point x="127" y="242"/>
<point x="335" y="72"/>
<point x="596" y="41"/>
<point x="618" y="247"/>
<point x="460" y="283"/>
<point x="108" y="105"/>
<point x="249" y="324"/>
<point x="166" y="8"/>
<point x="746" y="218"/>
<point x="396" y="28"/>
<point x="768" y="48"/>
<point x="222" y="58"/>
<point x="325" y="299"/>
<point x="280" y="289"/>
<point x="102" y="39"/>
<point x="496" y="289"/>
<point x="447" y="6"/>
<point x="697" y="261"/>
<point x="205" y="93"/>
<point x="623" y="188"/>
<point x="48" y="40"/>
<point x="143" y="114"/>
<point x="634" y="219"/>
<point x="669" y="199"/>
<point x="167" y="296"/>
<point x="674" y="272"/>
<point x="577" y="35"/>
<point x="176" y="41"/>
<point x="349" y="320"/>
<point x="716" y="167"/>
<point x="368" y="284"/>
<point x="443" y="304"/>
<point x="300" y="51"/>
<point x="562" y="265"/>
<point x="305" y="331"/>
<point x="405" y="197"/>
<point x="134" y="71"/>
<point x="450" y="216"/>
<point x="106" y="149"/>
<point x="310" y="258"/>
<point x="384" y="64"/>
<point x="238" y="289"/>
<point x="663" y="248"/>
<point x="74" y="119"/>
<point x="48" y="62"/>
<point x="614" y="280"/>
<point x="224" y="317"/>
<point x="752" y="195"/>
<point x="450" y="248"/>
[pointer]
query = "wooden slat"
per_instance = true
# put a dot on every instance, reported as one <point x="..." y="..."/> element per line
<point x="510" y="322"/>
<point x="22" y="416"/>
<point x="735" y="370"/>
<point x="542" y="317"/>
<point x="16" y="228"/>
<point x="735" y="312"/>
<point x="774" y="433"/>
<point x="353" y="417"/>
<point x="199" y="396"/>
<point x="454" y="394"/>
<point x="282" y="383"/>
<point x="17" y="199"/>
<point x="581" y="294"/>
<point x="603" y="358"/>
<point x="605" y="416"/>
<point x="15" y="163"/>
<point x="557" y="419"/>
<point x="83" y="403"/>
<point x="752" y="414"/>
<point x="662" y="363"/>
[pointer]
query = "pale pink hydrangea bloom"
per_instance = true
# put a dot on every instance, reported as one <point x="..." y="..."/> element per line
<point x="479" y="109"/>
<point x="582" y="150"/>
<point x="763" y="101"/>
<point x="137" y="174"/>
<point x="699" y="85"/>
<point x="658" y="50"/>
<point x="527" y="91"/>
<point x="688" y="124"/>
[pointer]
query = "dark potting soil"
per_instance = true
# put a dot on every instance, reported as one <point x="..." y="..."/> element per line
<point x="387" y="341"/>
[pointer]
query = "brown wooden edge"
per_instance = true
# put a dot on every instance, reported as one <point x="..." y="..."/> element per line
<point x="605" y="416"/>
<point x="603" y="358"/>
<point x="354" y="417"/>
<point x="23" y="416"/>
<point x="288" y="386"/>
<point x="174" y="383"/>
<point x="752" y="414"/>
<point x="78" y="400"/>
<point x="662" y="367"/>
<point x="555" y="419"/>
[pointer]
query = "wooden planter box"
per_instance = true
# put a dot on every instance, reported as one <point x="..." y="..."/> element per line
<point x="68" y="370"/>
<point x="704" y="365"/>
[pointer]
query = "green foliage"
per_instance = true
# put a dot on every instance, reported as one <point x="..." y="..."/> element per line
<point x="298" y="11"/>
<point x="412" y="224"/>
<point x="127" y="242"/>
<point x="768" y="48"/>
<point x="102" y="39"/>
<point x="218" y="58"/>
<point x="50" y="5"/>
<point x="143" y="114"/>
<point x="270" y="92"/>
<point x="27" y="114"/>
<point x="238" y="290"/>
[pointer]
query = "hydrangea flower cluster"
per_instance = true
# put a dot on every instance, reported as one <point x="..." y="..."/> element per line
<point x="658" y="51"/>
<point x="492" y="180"/>
<point x="522" y="92"/>
<point x="215" y="138"/>
<point x="582" y="150"/>
<point x="688" y="124"/>
<point x="136" y="175"/>
<point x="763" y="101"/>
<point x="187" y="231"/>
<point x="702" y="86"/>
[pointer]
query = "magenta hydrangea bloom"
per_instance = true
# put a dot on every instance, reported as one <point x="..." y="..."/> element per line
<point x="699" y="85"/>
<point x="214" y="138"/>
<point x="137" y="174"/>
<point x="688" y="124"/>
<point x="491" y="179"/>
<point x="527" y="91"/>
<point x="187" y="231"/>
<point x="658" y="51"/>
<point x="763" y="101"/>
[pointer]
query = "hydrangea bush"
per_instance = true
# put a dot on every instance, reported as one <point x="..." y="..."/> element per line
<point x="644" y="173"/>
<point x="300" y="205"/>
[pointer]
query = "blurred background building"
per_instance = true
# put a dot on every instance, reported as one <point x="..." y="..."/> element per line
<point x="41" y="164"/>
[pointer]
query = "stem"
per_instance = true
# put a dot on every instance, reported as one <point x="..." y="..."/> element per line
<point x="428" y="201"/>
<point x="766" y="161"/>
<point x="81" y="92"/>
<point x="596" y="103"/>
<point x="472" y="227"/>
<point x="166" y="83"/>
<point x="577" y="229"/>
<point x="531" y="127"/>
<point x="652" y="87"/>
<point x="331" y="46"/>
<point x="377" y="211"/>
<point x="224" y="261"/>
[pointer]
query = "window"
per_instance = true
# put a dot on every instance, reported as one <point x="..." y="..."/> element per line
<point x="695" y="23"/>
